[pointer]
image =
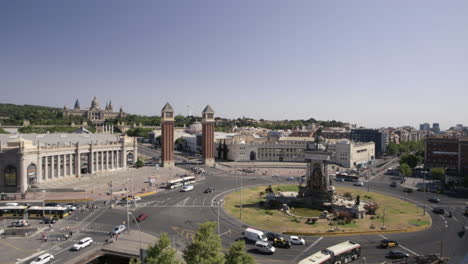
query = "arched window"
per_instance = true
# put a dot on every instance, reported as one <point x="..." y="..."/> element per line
<point x="11" y="176"/>
<point x="32" y="174"/>
<point x="130" y="158"/>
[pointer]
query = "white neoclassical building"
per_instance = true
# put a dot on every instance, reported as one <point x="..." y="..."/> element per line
<point x="30" y="159"/>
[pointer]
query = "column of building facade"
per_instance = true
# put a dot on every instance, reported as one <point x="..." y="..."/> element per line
<point x="70" y="171"/>
<point x="102" y="160"/>
<point x="77" y="161"/>
<point x="39" y="170"/>
<point x="91" y="160"/>
<point x="59" y="163"/>
<point x="112" y="160"/>
<point x="22" y="175"/>
<point x="52" y="167"/>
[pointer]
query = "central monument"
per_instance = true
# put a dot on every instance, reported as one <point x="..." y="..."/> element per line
<point x="318" y="191"/>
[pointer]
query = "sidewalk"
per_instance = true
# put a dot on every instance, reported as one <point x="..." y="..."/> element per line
<point x="97" y="186"/>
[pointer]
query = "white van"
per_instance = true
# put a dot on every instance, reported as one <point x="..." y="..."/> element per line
<point x="254" y="235"/>
<point x="264" y="247"/>
<point x="12" y="204"/>
<point x="187" y="188"/>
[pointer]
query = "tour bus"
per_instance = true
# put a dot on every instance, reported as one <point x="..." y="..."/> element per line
<point x="338" y="254"/>
<point x="13" y="211"/>
<point x="180" y="182"/>
<point x="56" y="212"/>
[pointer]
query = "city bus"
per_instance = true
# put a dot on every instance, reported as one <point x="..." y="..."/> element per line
<point x="13" y="211"/>
<point x="338" y="254"/>
<point x="180" y="182"/>
<point x="49" y="212"/>
<point x="346" y="177"/>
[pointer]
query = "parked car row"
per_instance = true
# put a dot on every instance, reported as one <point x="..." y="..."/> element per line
<point x="261" y="240"/>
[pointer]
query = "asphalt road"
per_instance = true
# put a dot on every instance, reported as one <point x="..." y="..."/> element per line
<point x="178" y="214"/>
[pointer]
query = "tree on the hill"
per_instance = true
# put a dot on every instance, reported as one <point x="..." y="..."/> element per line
<point x="438" y="173"/>
<point x="159" y="253"/>
<point x="238" y="255"/>
<point x="205" y="247"/>
<point x="406" y="170"/>
<point x="410" y="159"/>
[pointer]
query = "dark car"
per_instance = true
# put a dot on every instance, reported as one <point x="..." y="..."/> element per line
<point x="142" y="217"/>
<point x="51" y="204"/>
<point x="408" y="190"/>
<point x="434" y="200"/>
<point x="48" y="221"/>
<point x="396" y="254"/>
<point x="272" y="236"/>
<point x="387" y="243"/>
<point x="209" y="190"/>
<point x="393" y="184"/>
<point x="438" y="210"/>
<point x="281" y="243"/>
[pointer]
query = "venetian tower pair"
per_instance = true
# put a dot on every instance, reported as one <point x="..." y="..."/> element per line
<point x="167" y="136"/>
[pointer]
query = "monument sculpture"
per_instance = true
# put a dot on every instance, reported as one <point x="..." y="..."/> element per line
<point x="318" y="191"/>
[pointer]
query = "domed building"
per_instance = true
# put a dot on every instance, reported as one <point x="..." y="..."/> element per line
<point x="95" y="114"/>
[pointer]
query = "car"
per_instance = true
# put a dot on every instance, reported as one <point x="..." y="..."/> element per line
<point x="396" y="254"/>
<point x="290" y="178"/>
<point x="265" y="247"/>
<point x="281" y="243"/>
<point x="272" y="236"/>
<point x="408" y="190"/>
<point x="339" y="179"/>
<point x="295" y="240"/>
<point x="393" y="184"/>
<point x="387" y="243"/>
<point x="360" y="183"/>
<point x="87" y="241"/>
<point x="434" y="200"/>
<point x="118" y="229"/>
<point x="70" y="207"/>
<point x="72" y="204"/>
<point x="187" y="188"/>
<point x="12" y="204"/>
<point x="141" y="217"/>
<point x="42" y="259"/>
<point x="209" y="190"/>
<point x="20" y="223"/>
<point x="51" y="204"/>
<point x="438" y="210"/>
<point x="48" y="221"/>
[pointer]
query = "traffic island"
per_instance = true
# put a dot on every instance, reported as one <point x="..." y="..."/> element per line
<point x="389" y="215"/>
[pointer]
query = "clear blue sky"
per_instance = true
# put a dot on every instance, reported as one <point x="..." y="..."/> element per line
<point x="374" y="63"/>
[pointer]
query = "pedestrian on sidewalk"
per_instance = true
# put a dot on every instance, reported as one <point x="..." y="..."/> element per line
<point x="66" y="236"/>
<point x="71" y="233"/>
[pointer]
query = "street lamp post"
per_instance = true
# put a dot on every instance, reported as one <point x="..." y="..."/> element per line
<point x="218" y="203"/>
<point x="128" y="213"/>
<point x="241" y="196"/>
<point x="43" y="206"/>
<point x="139" y="230"/>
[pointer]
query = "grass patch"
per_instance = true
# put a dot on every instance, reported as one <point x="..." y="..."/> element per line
<point x="399" y="214"/>
<point x="418" y="222"/>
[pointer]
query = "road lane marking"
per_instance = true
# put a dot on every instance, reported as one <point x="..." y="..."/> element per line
<point x="400" y="245"/>
<point x="305" y="250"/>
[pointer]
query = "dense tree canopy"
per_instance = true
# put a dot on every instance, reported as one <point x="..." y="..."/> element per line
<point x="205" y="247"/>
<point x="238" y="255"/>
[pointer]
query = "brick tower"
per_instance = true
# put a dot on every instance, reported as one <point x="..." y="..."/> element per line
<point x="167" y="136"/>
<point x="208" y="136"/>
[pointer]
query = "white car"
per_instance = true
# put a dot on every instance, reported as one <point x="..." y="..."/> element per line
<point x="295" y="240"/>
<point x="42" y="259"/>
<point x="87" y="241"/>
<point x="70" y="207"/>
<point x="118" y="229"/>
<point x="187" y="188"/>
<point x="359" y="183"/>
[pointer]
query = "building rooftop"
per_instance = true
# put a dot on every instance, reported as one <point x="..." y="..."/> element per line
<point x="60" y="138"/>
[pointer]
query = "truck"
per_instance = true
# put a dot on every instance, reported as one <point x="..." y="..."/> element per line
<point x="254" y="235"/>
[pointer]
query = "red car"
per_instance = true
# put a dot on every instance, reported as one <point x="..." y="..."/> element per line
<point x="142" y="217"/>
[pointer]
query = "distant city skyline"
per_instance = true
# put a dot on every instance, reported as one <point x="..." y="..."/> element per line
<point x="376" y="64"/>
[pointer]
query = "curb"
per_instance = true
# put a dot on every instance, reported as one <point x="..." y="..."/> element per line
<point x="146" y="194"/>
<point x="69" y="200"/>
<point x="351" y="233"/>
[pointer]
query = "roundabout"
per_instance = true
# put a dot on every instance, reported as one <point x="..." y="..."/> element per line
<point x="392" y="215"/>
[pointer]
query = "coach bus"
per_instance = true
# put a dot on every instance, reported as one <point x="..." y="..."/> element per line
<point x="180" y="182"/>
<point x="338" y="254"/>
<point x="49" y="212"/>
<point x="346" y="177"/>
<point x="13" y="211"/>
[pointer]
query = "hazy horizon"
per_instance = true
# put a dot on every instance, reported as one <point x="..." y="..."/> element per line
<point x="375" y="64"/>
